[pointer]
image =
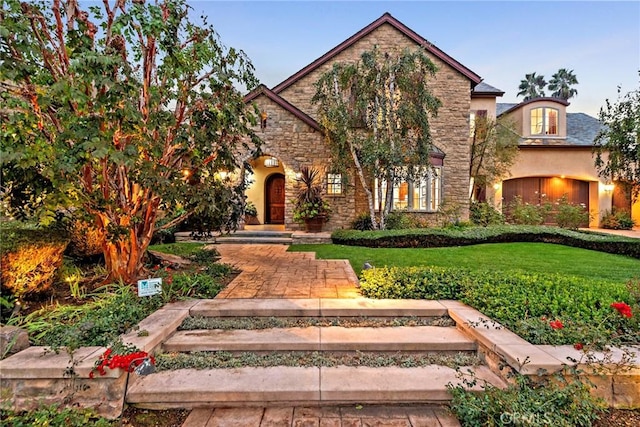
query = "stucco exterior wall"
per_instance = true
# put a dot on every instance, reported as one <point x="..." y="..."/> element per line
<point x="450" y="128"/>
<point x="487" y="104"/>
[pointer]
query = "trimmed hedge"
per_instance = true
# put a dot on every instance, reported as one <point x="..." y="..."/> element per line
<point x="30" y="259"/>
<point x="443" y="237"/>
<point x="523" y="302"/>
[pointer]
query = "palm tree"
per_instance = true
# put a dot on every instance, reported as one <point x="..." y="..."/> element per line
<point x="561" y="83"/>
<point x="532" y="86"/>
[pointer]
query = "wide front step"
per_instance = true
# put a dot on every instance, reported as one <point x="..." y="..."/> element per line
<point x="252" y="240"/>
<point x="187" y="388"/>
<point x="332" y="338"/>
<point x="316" y="307"/>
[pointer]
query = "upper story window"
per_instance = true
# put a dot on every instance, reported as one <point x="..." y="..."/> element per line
<point x="334" y="184"/>
<point x="544" y="121"/>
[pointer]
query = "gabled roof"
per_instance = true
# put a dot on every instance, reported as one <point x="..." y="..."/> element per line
<point x="384" y="19"/>
<point x="483" y="89"/>
<point x="263" y="90"/>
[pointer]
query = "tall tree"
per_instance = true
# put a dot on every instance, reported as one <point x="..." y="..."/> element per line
<point x="561" y="83"/>
<point x="617" y="145"/>
<point x="532" y="86"/>
<point x="375" y="114"/>
<point x="125" y="110"/>
<point x="494" y="149"/>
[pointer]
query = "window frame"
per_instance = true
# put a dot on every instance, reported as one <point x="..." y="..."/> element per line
<point x="334" y="184"/>
<point x="431" y="191"/>
<point x="543" y="122"/>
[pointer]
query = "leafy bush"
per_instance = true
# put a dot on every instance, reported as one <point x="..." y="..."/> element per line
<point x="460" y="236"/>
<point x="362" y="222"/>
<point x="53" y="416"/>
<point x="114" y="309"/>
<point x="30" y="258"/>
<point x="570" y="215"/>
<point x="484" y="214"/>
<point x="617" y="219"/>
<point x="522" y="213"/>
<point x="399" y="220"/>
<point x="523" y="302"/>
<point x="85" y="240"/>
<point x="562" y="403"/>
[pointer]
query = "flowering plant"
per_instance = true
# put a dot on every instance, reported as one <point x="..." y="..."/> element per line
<point x="128" y="361"/>
<point x="623" y="308"/>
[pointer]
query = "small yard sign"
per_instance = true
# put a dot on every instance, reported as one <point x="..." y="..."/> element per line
<point x="148" y="287"/>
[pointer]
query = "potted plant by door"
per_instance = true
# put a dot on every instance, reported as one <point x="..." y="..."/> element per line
<point x="309" y="206"/>
<point x="251" y="214"/>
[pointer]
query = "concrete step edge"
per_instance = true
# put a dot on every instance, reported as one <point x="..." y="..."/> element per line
<point x="300" y="385"/>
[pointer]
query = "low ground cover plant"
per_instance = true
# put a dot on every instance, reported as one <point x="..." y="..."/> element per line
<point x="541" y="308"/>
<point x="53" y="416"/>
<point x="559" y="402"/>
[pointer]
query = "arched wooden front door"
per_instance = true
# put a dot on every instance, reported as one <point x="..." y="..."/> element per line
<point x="274" y="209"/>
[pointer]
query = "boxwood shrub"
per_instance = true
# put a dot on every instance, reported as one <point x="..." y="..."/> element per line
<point x="523" y="302"/>
<point x="442" y="237"/>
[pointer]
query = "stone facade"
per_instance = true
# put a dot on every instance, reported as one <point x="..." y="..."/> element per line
<point x="296" y="143"/>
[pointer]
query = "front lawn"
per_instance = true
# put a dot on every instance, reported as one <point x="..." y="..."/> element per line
<point x="529" y="257"/>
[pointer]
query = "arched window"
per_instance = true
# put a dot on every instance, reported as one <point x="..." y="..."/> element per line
<point x="544" y="121"/>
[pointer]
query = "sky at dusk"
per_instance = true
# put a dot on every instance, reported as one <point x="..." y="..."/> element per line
<point x="500" y="41"/>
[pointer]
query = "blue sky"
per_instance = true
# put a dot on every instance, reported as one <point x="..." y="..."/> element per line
<point x="500" y="41"/>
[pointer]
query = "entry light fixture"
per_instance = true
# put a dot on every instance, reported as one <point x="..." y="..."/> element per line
<point x="271" y="162"/>
<point x="608" y="188"/>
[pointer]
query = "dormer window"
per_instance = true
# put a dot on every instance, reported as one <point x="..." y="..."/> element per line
<point x="544" y="121"/>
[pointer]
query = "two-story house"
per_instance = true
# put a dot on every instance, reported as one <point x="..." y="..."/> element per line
<point x="293" y="139"/>
<point x="555" y="154"/>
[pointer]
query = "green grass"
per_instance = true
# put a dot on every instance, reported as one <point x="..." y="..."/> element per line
<point x="531" y="257"/>
<point x="183" y="249"/>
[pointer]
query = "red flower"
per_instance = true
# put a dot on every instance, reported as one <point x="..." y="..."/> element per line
<point x="623" y="309"/>
<point x="169" y="280"/>
<point x="556" y="324"/>
<point x="578" y="346"/>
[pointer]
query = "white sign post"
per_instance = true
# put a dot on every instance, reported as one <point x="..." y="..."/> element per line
<point x="148" y="287"/>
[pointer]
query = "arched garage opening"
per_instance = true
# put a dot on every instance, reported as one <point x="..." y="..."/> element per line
<point x="537" y="190"/>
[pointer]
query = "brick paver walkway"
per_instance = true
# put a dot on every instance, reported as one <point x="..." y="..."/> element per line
<point x="269" y="271"/>
<point x="367" y="416"/>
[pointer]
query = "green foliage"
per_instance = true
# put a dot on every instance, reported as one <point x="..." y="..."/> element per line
<point x="309" y="203"/>
<point x="30" y="258"/>
<point x="183" y="249"/>
<point x="561" y="83"/>
<point x="532" y="86"/>
<point x="250" y="209"/>
<point x="53" y="416"/>
<point x="616" y="146"/>
<point x="439" y="237"/>
<point x="85" y="240"/>
<point x="362" y="222"/>
<point x="522" y="213"/>
<point x="399" y="220"/>
<point x="376" y="116"/>
<point x="569" y="215"/>
<point x="72" y="137"/>
<point x="617" y="219"/>
<point x="552" y="402"/>
<point x="523" y="302"/>
<point x="484" y="214"/>
<point x="494" y="148"/>
<point x="113" y="310"/>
